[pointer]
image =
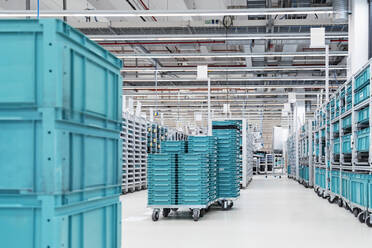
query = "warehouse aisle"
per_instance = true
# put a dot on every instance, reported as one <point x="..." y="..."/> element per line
<point x="271" y="212"/>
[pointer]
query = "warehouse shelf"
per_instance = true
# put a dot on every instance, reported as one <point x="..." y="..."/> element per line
<point x="341" y="149"/>
<point x="134" y="152"/>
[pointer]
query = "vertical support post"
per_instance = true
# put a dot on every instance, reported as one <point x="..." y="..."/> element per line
<point x="38" y="9"/>
<point x="327" y="72"/>
<point x="209" y="109"/>
<point x="64" y="8"/>
<point x="244" y="152"/>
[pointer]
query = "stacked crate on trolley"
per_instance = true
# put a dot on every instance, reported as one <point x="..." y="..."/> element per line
<point x="193" y="179"/>
<point x="61" y="165"/>
<point x="207" y="145"/>
<point x="228" y="184"/>
<point x="162" y="179"/>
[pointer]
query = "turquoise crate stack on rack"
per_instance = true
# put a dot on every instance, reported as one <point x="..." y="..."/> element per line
<point x="61" y="164"/>
<point x="193" y="179"/>
<point x="228" y="185"/>
<point x="162" y="179"/>
<point x="207" y="145"/>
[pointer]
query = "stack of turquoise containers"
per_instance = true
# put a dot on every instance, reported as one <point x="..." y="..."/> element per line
<point x="207" y="145"/>
<point x="193" y="179"/>
<point x="60" y="147"/>
<point x="227" y="133"/>
<point x="162" y="179"/>
<point x="177" y="147"/>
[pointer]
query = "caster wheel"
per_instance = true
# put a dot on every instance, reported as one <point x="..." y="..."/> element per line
<point x="346" y="206"/>
<point x="155" y="215"/>
<point x="340" y="203"/>
<point x="196" y="214"/>
<point x="220" y="203"/>
<point x="166" y="212"/>
<point x="230" y="205"/>
<point x="356" y="212"/>
<point x="362" y="217"/>
<point x="324" y="196"/>
<point x="368" y="221"/>
<point x="330" y="200"/>
<point x="225" y="205"/>
<point x="202" y="213"/>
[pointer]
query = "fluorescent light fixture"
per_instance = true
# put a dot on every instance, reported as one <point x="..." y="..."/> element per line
<point x="165" y="13"/>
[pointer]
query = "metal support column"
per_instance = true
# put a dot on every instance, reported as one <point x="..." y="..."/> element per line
<point x="327" y="72"/>
<point x="209" y="109"/>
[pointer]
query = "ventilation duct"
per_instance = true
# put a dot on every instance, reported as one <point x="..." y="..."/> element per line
<point x="340" y="10"/>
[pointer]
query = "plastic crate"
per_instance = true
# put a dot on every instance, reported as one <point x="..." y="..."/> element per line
<point x="335" y="182"/>
<point x="346" y="122"/>
<point x="336" y="127"/>
<point x="322" y="133"/>
<point x="42" y="221"/>
<point x="362" y="79"/>
<point x="363" y="140"/>
<point x="336" y="146"/>
<point x="346" y="144"/>
<point x="362" y="94"/>
<point x="363" y="115"/>
<point x="60" y="108"/>
<point x="359" y="189"/>
<point x="345" y="185"/>
<point x="173" y="147"/>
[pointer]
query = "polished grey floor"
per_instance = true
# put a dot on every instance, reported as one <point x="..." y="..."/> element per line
<point x="270" y="213"/>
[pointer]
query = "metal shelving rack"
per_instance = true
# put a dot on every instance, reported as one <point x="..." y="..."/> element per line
<point x="155" y="135"/>
<point x="269" y="163"/>
<point x="305" y="153"/>
<point x="342" y="148"/>
<point x="134" y="135"/>
<point x="291" y="153"/>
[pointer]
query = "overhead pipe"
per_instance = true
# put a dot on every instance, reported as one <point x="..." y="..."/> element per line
<point x="146" y="8"/>
<point x="165" y="13"/>
<point x="160" y="43"/>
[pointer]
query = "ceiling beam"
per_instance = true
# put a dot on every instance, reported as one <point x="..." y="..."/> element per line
<point x="214" y="37"/>
<point x="232" y="55"/>
<point x="165" y="13"/>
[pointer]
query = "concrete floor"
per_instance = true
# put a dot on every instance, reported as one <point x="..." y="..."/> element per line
<point x="270" y="212"/>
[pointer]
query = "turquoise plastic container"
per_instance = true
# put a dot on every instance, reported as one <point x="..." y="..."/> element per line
<point x="362" y="94"/>
<point x="346" y="122"/>
<point x="336" y="146"/>
<point x="345" y="185"/>
<point x="359" y="189"/>
<point x="46" y="221"/>
<point x="363" y="140"/>
<point x="336" y="127"/>
<point x="362" y="78"/>
<point x="346" y="144"/>
<point x="335" y="182"/>
<point x="60" y="111"/>
<point x="363" y="115"/>
<point x="60" y="146"/>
